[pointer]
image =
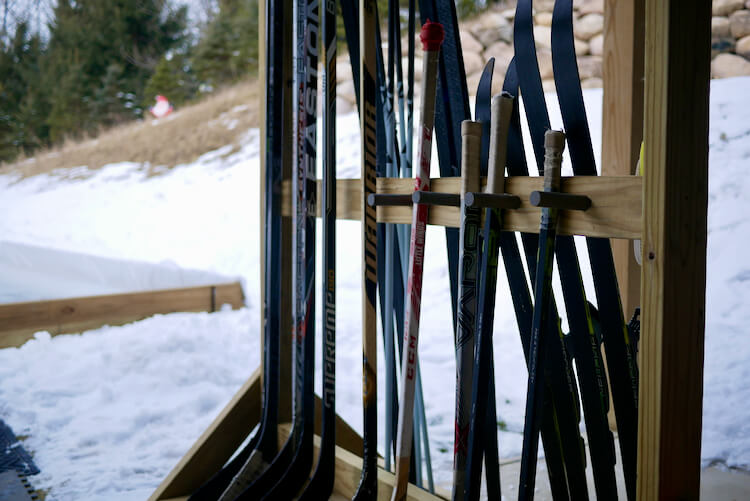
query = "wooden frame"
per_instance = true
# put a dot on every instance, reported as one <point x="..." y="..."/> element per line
<point x="19" y="321"/>
<point x="615" y="204"/>
<point x="673" y="230"/>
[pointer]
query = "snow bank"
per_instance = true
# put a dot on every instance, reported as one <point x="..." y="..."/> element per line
<point x="32" y="273"/>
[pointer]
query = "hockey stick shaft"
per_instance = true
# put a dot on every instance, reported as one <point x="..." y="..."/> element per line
<point x="432" y="37"/>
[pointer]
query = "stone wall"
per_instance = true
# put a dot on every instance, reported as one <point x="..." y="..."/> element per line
<point x="490" y="34"/>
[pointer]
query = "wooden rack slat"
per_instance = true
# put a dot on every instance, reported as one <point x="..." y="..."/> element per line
<point x="616" y="204"/>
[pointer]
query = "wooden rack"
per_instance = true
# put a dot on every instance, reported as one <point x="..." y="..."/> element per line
<point x="664" y="101"/>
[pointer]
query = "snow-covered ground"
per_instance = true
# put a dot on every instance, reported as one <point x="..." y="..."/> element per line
<point x="109" y="413"/>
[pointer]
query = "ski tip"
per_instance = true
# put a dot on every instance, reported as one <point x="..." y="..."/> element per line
<point x="432" y="36"/>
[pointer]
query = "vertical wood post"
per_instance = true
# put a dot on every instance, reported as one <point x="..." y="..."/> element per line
<point x="622" y="120"/>
<point x="674" y="238"/>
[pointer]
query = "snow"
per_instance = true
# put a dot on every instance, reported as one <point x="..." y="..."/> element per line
<point x="108" y="413"/>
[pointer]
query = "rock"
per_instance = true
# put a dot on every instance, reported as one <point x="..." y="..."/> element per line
<point x="720" y="27"/>
<point x="590" y="67"/>
<point x="721" y="46"/>
<point x="739" y="23"/>
<point x="510" y="14"/>
<point x="548" y="85"/>
<point x="726" y="7"/>
<point x="591" y="7"/>
<point x="588" y="26"/>
<point x="729" y="65"/>
<point x="489" y="20"/>
<point x="343" y="70"/>
<point x="544" y="57"/>
<point x="582" y="48"/>
<point x="544" y="5"/>
<point x="543" y="36"/>
<point x="743" y="47"/>
<point x="343" y="106"/>
<point x="472" y="62"/>
<point x="592" y="83"/>
<point x="502" y="52"/>
<point x="345" y="90"/>
<point x="472" y="82"/>
<point x="469" y="43"/>
<point x="543" y="19"/>
<point x="489" y="36"/>
<point x="596" y="45"/>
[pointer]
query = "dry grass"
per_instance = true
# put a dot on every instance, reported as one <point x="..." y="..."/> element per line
<point x="218" y="120"/>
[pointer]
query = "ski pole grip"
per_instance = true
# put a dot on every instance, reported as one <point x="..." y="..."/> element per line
<point x="502" y="109"/>
<point x="554" y="144"/>
<point x="471" y="145"/>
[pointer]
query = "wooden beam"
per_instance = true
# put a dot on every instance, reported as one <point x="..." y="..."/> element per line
<point x="615" y="210"/>
<point x="674" y="248"/>
<point x="20" y="321"/>
<point x="622" y="120"/>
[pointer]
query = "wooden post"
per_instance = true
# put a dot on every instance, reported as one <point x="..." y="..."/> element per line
<point x="674" y="248"/>
<point x="622" y="120"/>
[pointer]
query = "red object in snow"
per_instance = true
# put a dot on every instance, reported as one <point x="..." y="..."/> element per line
<point x="162" y="108"/>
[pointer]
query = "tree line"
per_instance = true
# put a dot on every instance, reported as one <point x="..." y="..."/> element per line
<point x="102" y="62"/>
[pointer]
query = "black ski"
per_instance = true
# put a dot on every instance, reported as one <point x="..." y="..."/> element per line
<point x="621" y="355"/>
<point x="321" y="484"/>
<point x="578" y="315"/>
<point x="541" y="328"/>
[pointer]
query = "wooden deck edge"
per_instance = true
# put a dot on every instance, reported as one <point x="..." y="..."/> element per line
<point x="227" y="432"/>
<point x="20" y="321"/>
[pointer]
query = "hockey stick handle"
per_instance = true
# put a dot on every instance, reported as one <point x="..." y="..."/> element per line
<point x="502" y="109"/>
<point x="432" y="37"/>
<point x="471" y="143"/>
<point x="554" y="144"/>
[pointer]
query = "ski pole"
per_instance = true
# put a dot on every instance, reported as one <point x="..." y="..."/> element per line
<point x="554" y="143"/>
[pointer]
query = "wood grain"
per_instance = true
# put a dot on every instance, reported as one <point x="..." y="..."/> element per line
<point x="616" y="209"/>
<point x="20" y="321"/>
<point x="622" y="120"/>
<point x="674" y="243"/>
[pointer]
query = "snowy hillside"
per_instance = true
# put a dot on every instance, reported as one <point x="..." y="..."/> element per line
<point x="109" y="413"/>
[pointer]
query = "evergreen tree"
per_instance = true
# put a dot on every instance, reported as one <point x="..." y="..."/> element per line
<point x="100" y="56"/>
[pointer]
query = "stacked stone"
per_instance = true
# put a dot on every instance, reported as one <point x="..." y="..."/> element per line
<point x="730" y="38"/>
<point x="490" y="34"/>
